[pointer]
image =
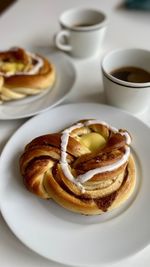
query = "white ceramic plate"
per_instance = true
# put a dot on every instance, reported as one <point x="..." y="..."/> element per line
<point x="49" y="98"/>
<point x="63" y="236"/>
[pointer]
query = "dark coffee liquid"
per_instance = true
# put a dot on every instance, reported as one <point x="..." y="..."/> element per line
<point x="83" y="25"/>
<point x="132" y="74"/>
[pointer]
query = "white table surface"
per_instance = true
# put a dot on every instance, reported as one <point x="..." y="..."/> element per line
<point x="32" y="24"/>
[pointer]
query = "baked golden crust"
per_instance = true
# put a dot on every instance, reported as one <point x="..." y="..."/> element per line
<point x="23" y="75"/>
<point x="43" y="79"/>
<point x="44" y="174"/>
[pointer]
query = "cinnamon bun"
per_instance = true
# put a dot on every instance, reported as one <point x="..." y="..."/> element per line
<point x="23" y="73"/>
<point x="87" y="168"/>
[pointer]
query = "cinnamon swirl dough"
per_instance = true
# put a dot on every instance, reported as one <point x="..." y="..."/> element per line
<point x="86" y="168"/>
<point x="23" y="73"/>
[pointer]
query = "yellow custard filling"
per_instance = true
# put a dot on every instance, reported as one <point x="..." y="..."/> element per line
<point x="93" y="141"/>
<point x="12" y="67"/>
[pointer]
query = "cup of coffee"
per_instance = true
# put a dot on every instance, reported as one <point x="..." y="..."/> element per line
<point x="126" y="79"/>
<point x="82" y="32"/>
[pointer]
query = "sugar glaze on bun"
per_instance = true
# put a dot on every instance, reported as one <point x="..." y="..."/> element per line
<point x="23" y="73"/>
<point x="87" y="168"/>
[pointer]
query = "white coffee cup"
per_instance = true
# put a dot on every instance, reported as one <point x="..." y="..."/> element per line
<point x="83" y="30"/>
<point x="131" y="96"/>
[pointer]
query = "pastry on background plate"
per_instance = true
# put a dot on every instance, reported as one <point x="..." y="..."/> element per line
<point x="23" y="73"/>
<point x="86" y="168"/>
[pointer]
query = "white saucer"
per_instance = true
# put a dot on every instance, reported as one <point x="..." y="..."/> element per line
<point x="63" y="236"/>
<point x="65" y="78"/>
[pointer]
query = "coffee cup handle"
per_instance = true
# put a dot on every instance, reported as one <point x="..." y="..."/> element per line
<point x="58" y="41"/>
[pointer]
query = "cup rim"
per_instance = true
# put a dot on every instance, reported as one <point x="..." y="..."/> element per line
<point x="88" y="28"/>
<point x="118" y="81"/>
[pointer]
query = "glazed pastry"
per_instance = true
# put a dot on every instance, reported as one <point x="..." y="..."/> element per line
<point x="23" y="73"/>
<point x="86" y="168"/>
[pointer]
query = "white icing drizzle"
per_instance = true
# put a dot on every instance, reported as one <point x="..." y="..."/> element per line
<point x="103" y="123"/>
<point x="127" y="136"/>
<point x="63" y="159"/>
<point x="79" y="180"/>
<point x="113" y="129"/>
<point x="33" y="71"/>
<point x="86" y="176"/>
<point x="37" y="66"/>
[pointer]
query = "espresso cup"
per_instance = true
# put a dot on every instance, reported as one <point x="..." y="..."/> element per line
<point x="131" y="96"/>
<point x="82" y="32"/>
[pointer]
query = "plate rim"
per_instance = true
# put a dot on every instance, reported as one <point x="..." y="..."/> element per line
<point x="35" y="118"/>
<point x="69" y="62"/>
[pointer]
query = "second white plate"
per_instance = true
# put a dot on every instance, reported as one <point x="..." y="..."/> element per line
<point x="63" y="236"/>
<point x="65" y="78"/>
